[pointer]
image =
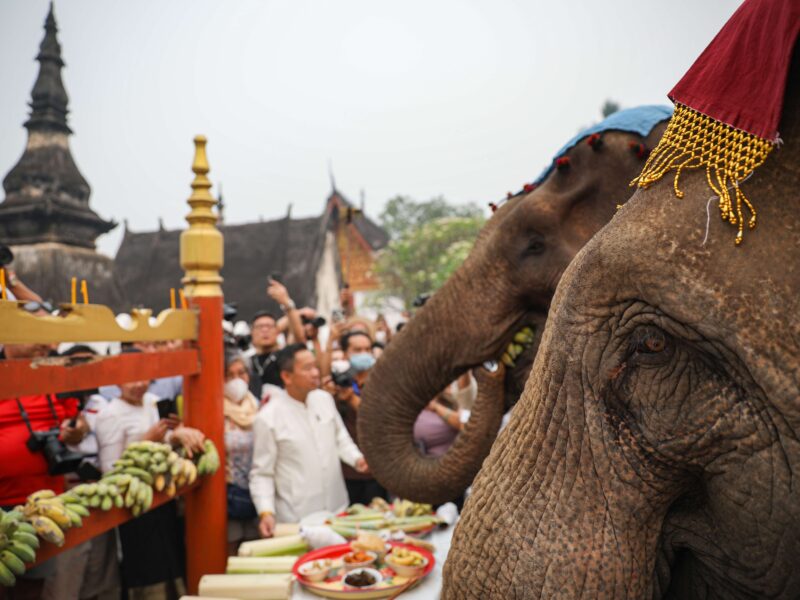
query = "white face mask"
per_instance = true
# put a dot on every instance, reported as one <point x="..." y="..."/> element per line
<point x="236" y="389"/>
<point x="380" y="336"/>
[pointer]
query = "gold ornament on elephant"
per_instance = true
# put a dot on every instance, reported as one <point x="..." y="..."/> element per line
<point x="729" y="155"/>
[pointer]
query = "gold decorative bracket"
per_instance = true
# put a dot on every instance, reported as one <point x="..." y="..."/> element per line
<point x="92" y="323"/>
<point x="201" y="244"/>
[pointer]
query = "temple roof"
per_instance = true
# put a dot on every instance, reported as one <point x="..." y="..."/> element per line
<point x="373" y="234"/>
<point x="148" y="263"/>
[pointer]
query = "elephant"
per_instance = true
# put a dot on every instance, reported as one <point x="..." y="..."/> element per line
<point x="501" y="292"/>
<point x="653" y="451"/>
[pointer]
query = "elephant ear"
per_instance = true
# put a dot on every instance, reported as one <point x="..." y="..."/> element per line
<point x="728" y="106"/>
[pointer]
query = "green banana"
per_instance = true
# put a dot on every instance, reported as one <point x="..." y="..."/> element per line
<point x="25" y="538"/>
<point x="80" y="509"/>
<point x="119" y="501"/>
<point x="24" y="552"/>
<point x="13" y="562"/>
<point x="75" y="518"/>
<point x="25" y="527"/>
<point x="106" y="503"/>
<point x="141" y="474"/>
<point x="7" y="578"/>
<point x="95" y="501"/>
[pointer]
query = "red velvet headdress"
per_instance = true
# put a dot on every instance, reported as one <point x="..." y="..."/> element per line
<point x="728" y="106"/>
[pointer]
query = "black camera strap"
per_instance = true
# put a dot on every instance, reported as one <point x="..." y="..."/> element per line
<point x="27" y="419"/>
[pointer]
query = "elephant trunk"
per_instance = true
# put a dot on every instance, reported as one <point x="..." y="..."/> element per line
<point x="430" y="352"/>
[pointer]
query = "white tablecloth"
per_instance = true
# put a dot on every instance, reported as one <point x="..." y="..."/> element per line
<point x="427" y="589"/>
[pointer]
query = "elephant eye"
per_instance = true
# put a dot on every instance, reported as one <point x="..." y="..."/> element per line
<point x="535" y="246"/>
<point x="650" y="344"/>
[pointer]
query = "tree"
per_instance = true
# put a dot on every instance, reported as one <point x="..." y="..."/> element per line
<point x="402" y="213"/>
<point x="430" y="240"/>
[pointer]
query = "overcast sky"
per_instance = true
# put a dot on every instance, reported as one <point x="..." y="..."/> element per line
<point x="466" y="99"/>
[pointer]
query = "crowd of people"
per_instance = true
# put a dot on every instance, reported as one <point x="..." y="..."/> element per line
<point x="293" y="386"/>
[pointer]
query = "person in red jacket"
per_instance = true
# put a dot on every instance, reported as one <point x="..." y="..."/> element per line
<point x="23" y="471"/>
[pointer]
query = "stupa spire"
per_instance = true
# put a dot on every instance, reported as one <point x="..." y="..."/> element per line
<point x="48" y="97"/>
<point x="47" y="197"/>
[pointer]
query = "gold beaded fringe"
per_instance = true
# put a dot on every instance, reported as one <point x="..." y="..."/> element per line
<point x="729" y="155"/>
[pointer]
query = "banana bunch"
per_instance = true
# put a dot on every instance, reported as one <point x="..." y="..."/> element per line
<point x="112" y="491"/>
<point x="52" y="515"/>
<point x="209" y="460"/>
<point x="18" y="545"/>
<point x="407" y="508"/>
<point x="523" y="339"/>
<point x="156" y="465"/>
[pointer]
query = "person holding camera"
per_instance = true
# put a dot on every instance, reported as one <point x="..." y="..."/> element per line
<point x="265" y="331"/>
<point x="240" y="409"/>
<point x="299" y="439"/>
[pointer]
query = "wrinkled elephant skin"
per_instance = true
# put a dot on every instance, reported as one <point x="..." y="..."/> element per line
<point x="654" y="450"/>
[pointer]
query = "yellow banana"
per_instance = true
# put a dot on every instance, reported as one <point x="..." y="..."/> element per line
<point x="41" y="495"/>
<point x="47" y="529"/>
<point x="56" y="512"/>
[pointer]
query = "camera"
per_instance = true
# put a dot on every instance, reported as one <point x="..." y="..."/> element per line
<point x="6" y="255"/>
<point x="229" y="311"/>
<point x="316" y="321"/>
<point x="60" y="459"/>
<point x="344" y="378"/>
<point x="420" y="300"/>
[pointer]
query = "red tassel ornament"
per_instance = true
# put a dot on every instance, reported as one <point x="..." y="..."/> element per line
<point x="595" y="141"/>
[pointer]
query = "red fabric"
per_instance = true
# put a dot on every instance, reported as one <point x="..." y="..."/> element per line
<point x="22" y="471"/>
<point x="740" y="78"/>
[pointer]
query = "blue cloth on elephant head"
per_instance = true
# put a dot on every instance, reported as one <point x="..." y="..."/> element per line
<point x="639" y="120"/>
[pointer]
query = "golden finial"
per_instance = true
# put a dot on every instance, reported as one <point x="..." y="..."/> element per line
<point x="201" y="243"/>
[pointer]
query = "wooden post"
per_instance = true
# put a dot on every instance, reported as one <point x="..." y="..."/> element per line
<point x="202" y="259"/>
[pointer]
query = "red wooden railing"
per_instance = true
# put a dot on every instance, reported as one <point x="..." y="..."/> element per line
<point x="200" y="365"/>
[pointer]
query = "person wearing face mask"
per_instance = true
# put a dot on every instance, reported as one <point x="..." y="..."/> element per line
<point x="240" y="409"/>
<point x="357" y="347"/>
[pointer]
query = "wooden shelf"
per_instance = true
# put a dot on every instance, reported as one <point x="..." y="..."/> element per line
<point x="66" y="374"/>
<point x="100" y="522"/>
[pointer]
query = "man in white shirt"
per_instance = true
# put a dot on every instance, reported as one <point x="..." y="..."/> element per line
<point x="299" y="439"/>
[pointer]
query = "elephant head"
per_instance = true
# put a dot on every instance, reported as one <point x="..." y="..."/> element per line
<point x="654" y="449"/>
<point x="496" y="303"/>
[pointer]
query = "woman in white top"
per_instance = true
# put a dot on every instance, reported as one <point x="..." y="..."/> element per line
<point x="152" y="544"/>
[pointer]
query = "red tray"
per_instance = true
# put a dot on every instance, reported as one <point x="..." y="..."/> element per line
<point x="333" y="586"/>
